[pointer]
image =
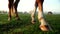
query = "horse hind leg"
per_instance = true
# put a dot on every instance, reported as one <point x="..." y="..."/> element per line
<point x="15" y="8"/>
<point x="33" y="14"/>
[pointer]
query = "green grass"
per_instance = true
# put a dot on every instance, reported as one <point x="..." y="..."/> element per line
<point x="26" y="27"/>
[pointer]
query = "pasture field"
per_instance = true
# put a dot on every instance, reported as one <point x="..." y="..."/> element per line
<point x="24" y="26"/>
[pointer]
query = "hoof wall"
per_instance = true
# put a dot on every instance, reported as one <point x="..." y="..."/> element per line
<point x="33" y="22"/>
<point x="44" y="27"/>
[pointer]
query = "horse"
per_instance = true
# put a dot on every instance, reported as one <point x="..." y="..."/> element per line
<point x="44" y="26"/>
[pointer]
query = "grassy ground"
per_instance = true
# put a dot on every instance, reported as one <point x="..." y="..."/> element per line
<point x="25" y="26"/>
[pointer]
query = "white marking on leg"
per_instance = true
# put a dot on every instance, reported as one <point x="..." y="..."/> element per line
<point x="9" y="19"/>
<point x="14" y="11"/>
<point x="33" y="14"/>
<point x="12" y="14"/>
<point x="41" y="18"/>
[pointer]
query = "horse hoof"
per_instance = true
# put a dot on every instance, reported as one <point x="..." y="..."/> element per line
<point x="44" y="27"/>
<point x="9" y="19"/>
<point x="18" y="19"/>
<point x="33" y="22"/>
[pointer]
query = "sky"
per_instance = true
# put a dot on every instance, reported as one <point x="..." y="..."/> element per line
<point x="27" y="5"/>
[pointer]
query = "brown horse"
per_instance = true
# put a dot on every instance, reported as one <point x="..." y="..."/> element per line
<point x="38" y="3"/>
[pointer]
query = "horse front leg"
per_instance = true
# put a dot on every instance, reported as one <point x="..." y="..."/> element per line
<point x="10" y="9"/>
<point x="9" y="15"/>
<point x="44" y="25"/>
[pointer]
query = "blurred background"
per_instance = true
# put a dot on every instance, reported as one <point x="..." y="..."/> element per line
<point x="28" y="5"/>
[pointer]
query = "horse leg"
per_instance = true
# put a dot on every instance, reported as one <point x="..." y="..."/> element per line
<point x="10" y="9"/>
<point x="44" y="25"/>
<point x="15" y="8"/>
<point x="33" y="14"/>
